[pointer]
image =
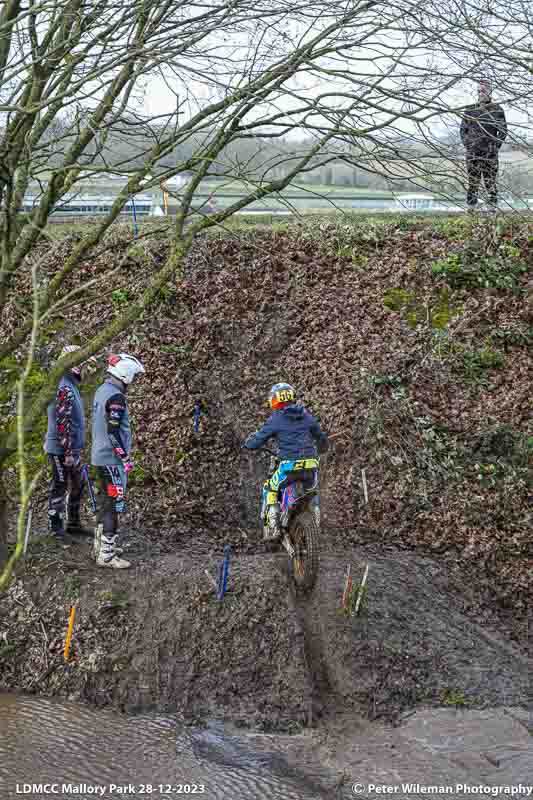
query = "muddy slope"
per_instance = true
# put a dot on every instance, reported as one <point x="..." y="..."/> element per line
<point x="421" y="370"/>
<point x="265" y="658"/>
<point x="442" y="431"/>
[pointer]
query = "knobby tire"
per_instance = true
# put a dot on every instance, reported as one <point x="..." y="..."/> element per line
<point x="304" y="534"/>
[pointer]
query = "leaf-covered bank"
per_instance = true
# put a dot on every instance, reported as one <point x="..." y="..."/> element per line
<point x="410" y="339"/>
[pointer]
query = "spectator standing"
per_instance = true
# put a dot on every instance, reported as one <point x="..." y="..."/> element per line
<point x="483" y="131"/>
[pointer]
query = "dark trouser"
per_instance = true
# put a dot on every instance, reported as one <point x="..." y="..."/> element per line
<point x="64" y="479"/>
<point x="482" y="165"/>
<point x="112" y="483"/>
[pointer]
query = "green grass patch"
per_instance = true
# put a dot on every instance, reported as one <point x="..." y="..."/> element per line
<point x="385" y="380"/>
<point x="436" y="313"/>
<point x="453" y="697"/>
<point x="114" y="598"/>
<point x="468" y="269"/>
<point x="351" y="600"/>
<point x="510" y="337"/>
<point x="72" y="586"/>
<point x="138" y="475"/>
<point x="476" y="363"/>
<point x="7" y="650"/>
<point x="473" y="363"/>
<point x="121" y="297"/>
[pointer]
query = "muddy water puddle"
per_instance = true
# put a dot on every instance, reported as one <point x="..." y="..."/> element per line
<point x="76" y="751"/>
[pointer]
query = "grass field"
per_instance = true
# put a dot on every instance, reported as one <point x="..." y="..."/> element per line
<point x="156" y="226"/>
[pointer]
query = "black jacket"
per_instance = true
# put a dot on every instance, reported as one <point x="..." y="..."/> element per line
<point x="483" y="128"/>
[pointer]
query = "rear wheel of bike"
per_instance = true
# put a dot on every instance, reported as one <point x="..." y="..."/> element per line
<point x="304" y="539"/>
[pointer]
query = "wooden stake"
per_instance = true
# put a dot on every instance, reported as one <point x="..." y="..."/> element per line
<point x="347" y="581"/>
<point x="365" y="487"/>
<point x="70" y="628"/>
<point x="28" y="526"/>
<point x="361" y="589"/>
<point x="212" y="581"/>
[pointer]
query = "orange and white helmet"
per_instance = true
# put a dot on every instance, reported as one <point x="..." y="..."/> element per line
<point x="124" y="367"/>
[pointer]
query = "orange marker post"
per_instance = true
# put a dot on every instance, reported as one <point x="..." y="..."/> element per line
<point x="70" y="628"/>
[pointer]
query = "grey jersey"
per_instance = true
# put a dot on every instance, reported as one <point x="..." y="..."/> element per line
<point x="102" y="452"/>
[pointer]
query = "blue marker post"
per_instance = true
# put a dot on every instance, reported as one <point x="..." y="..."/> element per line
<point x="135" y="228"/>
<point x="86" y="476"/>
<point x="200" y="407"/>
<point x="224" y="572"/>
<point x="197" y="412"/>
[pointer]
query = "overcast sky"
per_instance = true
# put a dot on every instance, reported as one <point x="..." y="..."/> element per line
<point x="159" y="99"/>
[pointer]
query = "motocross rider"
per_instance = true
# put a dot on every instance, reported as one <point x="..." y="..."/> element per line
<point x="111" y="454"/>
<point x="65" y="440"/>
<point x="299" y="438"/>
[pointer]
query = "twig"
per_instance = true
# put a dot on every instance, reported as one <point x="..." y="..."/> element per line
<point x="211" y="580"/>
<point x="361" y="590"/>
<point x="347" y="586"/>
<point x="42" y="676"/>
<point x="46" y="640"/>
<point x="365" y="487"/>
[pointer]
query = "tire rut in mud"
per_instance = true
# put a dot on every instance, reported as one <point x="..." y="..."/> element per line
<point x="321" y="696"/>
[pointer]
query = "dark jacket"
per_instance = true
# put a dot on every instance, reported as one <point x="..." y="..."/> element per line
<point x="483" y="128"/>
<point x="298" y="434"/>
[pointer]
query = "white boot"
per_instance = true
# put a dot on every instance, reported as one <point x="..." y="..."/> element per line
<point x="272" y="527"/>
<point x="108" y="556"/>
<point x="97" y="542"/>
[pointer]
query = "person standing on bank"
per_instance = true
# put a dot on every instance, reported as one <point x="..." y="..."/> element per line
<point x="65" y="440"/>
<point x="111" y="454"/>
<point x="483" y="131"/>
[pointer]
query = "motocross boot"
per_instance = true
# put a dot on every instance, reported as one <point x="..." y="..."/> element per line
<point x="98" y="546"/>
<point x="56" y="526"/>
<point x="107" y="553"/>
<point x="74" y="526"/>
<point x="273" y="527"/>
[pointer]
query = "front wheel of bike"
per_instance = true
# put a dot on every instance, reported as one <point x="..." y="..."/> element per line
<point x="304" y="538"/>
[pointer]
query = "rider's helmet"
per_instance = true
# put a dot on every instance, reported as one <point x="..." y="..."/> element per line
<point x="72" y="348"/>
<point x="281" y="395"/>
<point x="124" y="367"/>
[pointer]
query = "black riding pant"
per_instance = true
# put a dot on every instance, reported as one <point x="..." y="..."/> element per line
<point x="64" y="479"/>
<point x="112" y="485"/>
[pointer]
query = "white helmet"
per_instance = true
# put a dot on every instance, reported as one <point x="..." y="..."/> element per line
<point x="72" y="348"/>
<point x="124" y="367"/>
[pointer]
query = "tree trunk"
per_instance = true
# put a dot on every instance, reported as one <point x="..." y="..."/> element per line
<point x="3" y="523"/>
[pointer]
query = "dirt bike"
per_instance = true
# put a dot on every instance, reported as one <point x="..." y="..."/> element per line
<point x="298" y="523"/>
